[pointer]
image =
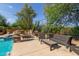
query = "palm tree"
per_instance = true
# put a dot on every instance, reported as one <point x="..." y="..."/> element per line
<point x="25" y="17"/>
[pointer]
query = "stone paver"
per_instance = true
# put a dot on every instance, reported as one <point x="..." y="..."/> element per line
<point x="34" y="48"/>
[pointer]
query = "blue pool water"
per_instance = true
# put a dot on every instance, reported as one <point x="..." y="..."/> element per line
<point x="5" y="45"/>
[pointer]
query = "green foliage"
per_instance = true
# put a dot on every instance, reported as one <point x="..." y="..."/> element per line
<point x="75" y="31"/>
<point x="3" y="21"/>
<point x="51" y="29"/>
<point x="25" y="17"/>
<point x="2" y="27"/>
<point x="44" y="29"/>
<point x="37" y="26"/>
<point x="66" y="30"/>
<point x="54" y="12"/>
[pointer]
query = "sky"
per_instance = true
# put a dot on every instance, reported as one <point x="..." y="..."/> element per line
<point x="9" y="11"/>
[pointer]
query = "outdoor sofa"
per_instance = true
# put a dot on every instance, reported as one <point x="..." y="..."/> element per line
<point x="56" y="39"/>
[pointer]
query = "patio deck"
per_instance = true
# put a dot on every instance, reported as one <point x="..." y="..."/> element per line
<point x="34" y="48"/>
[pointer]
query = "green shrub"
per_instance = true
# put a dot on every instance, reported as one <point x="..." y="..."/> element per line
<point x="75" y="31"/>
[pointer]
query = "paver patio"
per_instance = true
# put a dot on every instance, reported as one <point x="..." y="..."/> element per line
<point x="34" y="48"/>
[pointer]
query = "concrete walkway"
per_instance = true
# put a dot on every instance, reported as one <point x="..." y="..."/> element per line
<point x="34" y="48"/>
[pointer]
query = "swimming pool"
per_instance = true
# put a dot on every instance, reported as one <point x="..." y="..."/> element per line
<point x="5" y="45"/>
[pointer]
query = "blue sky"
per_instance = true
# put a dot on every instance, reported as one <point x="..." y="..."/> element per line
<point x="9" y="11"/>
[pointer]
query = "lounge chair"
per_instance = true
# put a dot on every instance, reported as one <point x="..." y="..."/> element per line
<point x="41" y="36"/>
<point x="58" y="39"/>
<point x="50" y="35"/>
<point x="74" y="49"/>
<point x="62" y="39"/>
<point x="17" y="38"/>
<point x="26" y="37"/>
<point x="44" y="39"/>
<point x="35" y="33"/>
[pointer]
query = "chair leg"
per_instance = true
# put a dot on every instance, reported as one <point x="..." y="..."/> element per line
<point x="70" y="49"/>
<point x="50" y="47"/>
<point x="41" y="41"/>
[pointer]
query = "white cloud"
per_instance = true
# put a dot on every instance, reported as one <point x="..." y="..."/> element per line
<point x="11" y="20"/>
<point x="10" y="6"/>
